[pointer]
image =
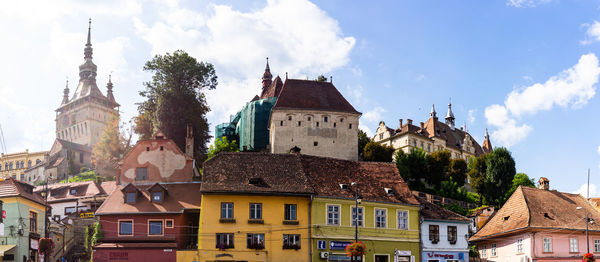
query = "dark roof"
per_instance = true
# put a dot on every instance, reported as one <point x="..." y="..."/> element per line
<point x="181" y="196"/>
<point x="303" y="174"/>
<point x="312" y="95"/>
<point x="273" y="90"/>
<point x="531" y="208"/>
<point x="10" y="187"/>
<point x="433" y="211"/>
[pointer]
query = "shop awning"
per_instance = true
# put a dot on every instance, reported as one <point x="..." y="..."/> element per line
<point x="5" y="248"/>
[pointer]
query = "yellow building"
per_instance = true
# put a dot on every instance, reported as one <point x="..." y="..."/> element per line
<point x="14" y="165"/>
<point x="255" y="207"/>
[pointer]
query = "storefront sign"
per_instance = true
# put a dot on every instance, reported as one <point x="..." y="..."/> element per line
<point x="338" y="245"/>
<point x="321" y="244"/>
<point x="445" y="256"/>
<point x="86" y="215"/>
<point x="403" y="253"/>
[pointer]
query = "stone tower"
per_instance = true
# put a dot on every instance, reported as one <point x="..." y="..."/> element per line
<point x="81" y="119"/>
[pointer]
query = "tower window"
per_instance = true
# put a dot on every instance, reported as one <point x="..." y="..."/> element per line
<point x="350" y="126"/>
<point x="299" y="123"/>
<point x="325" y="119"/>
<point x="280" y="123"/>
<point x="309" y="118"/>
<point x="317" y="124"/>
<point x="290" y="118"/>
<point x="334" y="124"/>
<point x="161" y="148"/>
<point x="315" y="143"/>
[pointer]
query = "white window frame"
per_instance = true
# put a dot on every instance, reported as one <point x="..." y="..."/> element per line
<point x="336" y="221"/>
<point x="596" y="245"/>
<point x="255" y="211"/>
<point x="398" y="219"/>
<point x="361" y="217"/>
<point x="519" y="245"/>
<point x="483" y="251"/>
<point x="494" y="254"/>
<point x="385" y="217"/>
<point x="573" y="245"/>
<point x="547" y="245"/>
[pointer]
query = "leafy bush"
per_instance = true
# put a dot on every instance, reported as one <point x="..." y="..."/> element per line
<point x="456" y="208"/>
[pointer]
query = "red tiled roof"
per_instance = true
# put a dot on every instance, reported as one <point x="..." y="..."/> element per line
<point x="180" y="196"/>
<point x="433" y="211"/>
<point x="531" y="208"/>
<point x="303" y="174"/>
<point x="62" y="191"/>
<point x="312" y="95"/>
<point x="10" y="187"/>
<point x="273" y="90"/>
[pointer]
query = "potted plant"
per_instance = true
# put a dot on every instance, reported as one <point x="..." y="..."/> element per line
<point x="588" y="257"/>
<point x="46" y="245"/>
<point x="356" y="249"/>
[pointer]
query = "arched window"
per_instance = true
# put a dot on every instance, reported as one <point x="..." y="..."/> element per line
<point x="10" y="165"/>
<point x="17" y="165"/>
<point x="22" y="164"/>
<point x="29" y="163"/>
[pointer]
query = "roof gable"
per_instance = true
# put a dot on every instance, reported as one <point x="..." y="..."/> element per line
<point x="312" y="95"/>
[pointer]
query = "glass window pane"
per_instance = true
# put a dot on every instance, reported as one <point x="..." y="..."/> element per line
<point x="125" y="228"/>
<point x="155" y="228"/>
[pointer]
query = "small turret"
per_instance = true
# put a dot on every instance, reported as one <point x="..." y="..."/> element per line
<point x="433" y="113"/>
<point x="487" y="143"/>
<point x="109" y="90"/>
<point x="65" y="94"/>
<point x="267" y="77"/>
<point x="450" y="116"/>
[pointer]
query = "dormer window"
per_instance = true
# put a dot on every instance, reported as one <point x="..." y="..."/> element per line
<point x="389" y="191"/>
<point x="157" y="196"/>
<point x="130" y="197"/>
<point x="73" y="191"/>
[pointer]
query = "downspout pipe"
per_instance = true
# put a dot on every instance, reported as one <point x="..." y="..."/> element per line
<point x="310" y="229"/>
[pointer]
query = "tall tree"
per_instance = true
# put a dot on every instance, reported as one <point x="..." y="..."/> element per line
<point x="378" y="152"/>
<point x="457" y="171"/>
<point x="477" y="173"/>
<point x="437" y="166"/>
<point x="175" y="98"/>
<point x="499" y="174"/>
<point x="521" y="179"/>
<point x="363" y="139"/>
<point x="412" y="167"/>
<point x="222" y="145"/>
<point x="113" y="144"/>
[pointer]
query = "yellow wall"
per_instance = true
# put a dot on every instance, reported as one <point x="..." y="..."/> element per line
<point x="21" y="156"/>
<point x="273" y="228"/>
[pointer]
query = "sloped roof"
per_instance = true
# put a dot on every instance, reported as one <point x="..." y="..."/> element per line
<point x="532" y="208"/>
<point x="75" y="146"/>
<point x="62" y="191"/>
<point x="312" y="95"/>
<point x="181" y="196"/>
<point x="274" y="89"/>
<point x="303" y="174"/>
<point x="433" y="211"/>
<point x="10" y="187"/>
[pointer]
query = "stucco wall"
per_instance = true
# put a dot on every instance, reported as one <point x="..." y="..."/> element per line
<point x="335" y="138"/>
<point x="462" y="235"/>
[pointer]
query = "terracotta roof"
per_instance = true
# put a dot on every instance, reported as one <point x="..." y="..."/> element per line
<point x="248" y="172"/>
<point x="433" y="211"/>
<point x="62" y="191"/>
<point x="274" y="89"/>
<point x="10" y="187"/>
<point x="108" y="186"/>
<point x="312" y="95"/>
<point x="180" y="196"/>
<point x="254" y="173"/>
<point x="531" y="208"/>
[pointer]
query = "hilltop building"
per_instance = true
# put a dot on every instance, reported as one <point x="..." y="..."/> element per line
<point x="307" y="115"/>
<point x="82" y="117"/>
<point x="14" y="165"/>
<point x="433" y="135"/>
<point x="539" y="224"/>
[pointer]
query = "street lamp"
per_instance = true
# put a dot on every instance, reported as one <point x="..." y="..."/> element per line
<point x="357" y="200"/>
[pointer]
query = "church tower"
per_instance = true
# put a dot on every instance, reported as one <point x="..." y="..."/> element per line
<point x="81" y="119"/>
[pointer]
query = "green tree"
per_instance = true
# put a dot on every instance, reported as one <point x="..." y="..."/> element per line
<point x="377" y="152"/>
<point x="322" y="78"/>
<point x="222" y="145"/>
<point x="521" y="179"/>
<point x="412" y="167"/>
<point x="476" y="173"/>
<point x="363" y="139"/>
<point x="110" y="149"/>
<point x="437" y="166"/>
<point x="499" y="174"/>
<point x="457" y="171"/>
<point x="175" y="98"/>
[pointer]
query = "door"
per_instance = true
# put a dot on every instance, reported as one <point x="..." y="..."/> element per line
<point x="381" y="258"/>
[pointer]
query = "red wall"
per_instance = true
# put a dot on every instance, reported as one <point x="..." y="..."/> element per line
<point x="110" y="226"/>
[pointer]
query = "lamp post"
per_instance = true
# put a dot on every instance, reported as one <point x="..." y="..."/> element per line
<point x="357" y="200"/>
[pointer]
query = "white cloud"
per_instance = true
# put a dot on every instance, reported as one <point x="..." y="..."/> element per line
<point x="526" y="3"/>
<point x="374" y="115"/>
<point x="471" y="115"/>
<point x="367" y="130"/>
<point x="300" y="39"/>
<point x="592" y="34"/>
<point x="32" y="11"/>
<point x="582" y="190"/>
<point x="574" y="86"/>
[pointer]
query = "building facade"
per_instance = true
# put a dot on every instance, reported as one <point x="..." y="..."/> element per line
<point x="313" y="117"/>
<point x="82" y="117"/>
<point x="431" y="136"/>
<point x="538" y="224"/>
<point x="14" y="165"/>
<point x="66" y="159"/>
<point x="24" y="222"/>
<point x="444" y="234"/>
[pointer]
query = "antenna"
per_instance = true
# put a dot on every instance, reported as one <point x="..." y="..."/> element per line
<point x="2" y="141"/>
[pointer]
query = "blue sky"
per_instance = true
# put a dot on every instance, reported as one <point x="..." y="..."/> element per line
<point x="525" y="69"/>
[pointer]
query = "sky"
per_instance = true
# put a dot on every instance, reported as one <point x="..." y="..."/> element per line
<point x="525" y="69"/>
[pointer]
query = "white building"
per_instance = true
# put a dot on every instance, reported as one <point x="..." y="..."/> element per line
<point x="444" y="234"/>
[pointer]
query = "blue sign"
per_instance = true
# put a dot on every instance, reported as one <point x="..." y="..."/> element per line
<point x="338" y="245"/>
<point x="321" y="244"/>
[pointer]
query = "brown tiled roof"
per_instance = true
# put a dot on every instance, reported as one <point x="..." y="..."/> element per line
<point x="454" y="137"/>
<point x="10" y="187"/>
<point x="62" y="191"/>
<point x="274" y="89"/>
<point x="181" y="196"/>
<point x="312" y="95"/>
<point x="532" y="208"/>
<point x="108" y="186"/>
<point x="303" y="174"/>
<point x="433" y="211"/>
<point x="273" y="173"/>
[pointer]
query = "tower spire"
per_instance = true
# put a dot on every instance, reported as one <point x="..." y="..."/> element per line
<point x="487" y="143"/>
<point x="267" y="77"/>
<point x="433" y="113"/>
<point x="87" y="51"/>
<point x="66" y="93"/>
<point x="450" y="116"/>
<point x="109" y="91"/>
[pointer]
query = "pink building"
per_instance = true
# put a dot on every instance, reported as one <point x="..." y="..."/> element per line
<point x="540" y="225"/>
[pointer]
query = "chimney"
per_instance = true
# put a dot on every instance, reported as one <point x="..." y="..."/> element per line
<point x="189" y="141"/>
<point x="409" y="121"/>
<point x="422" y="125"/>
<point x="544" y="183"/>
<point x="400" y="123"/>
